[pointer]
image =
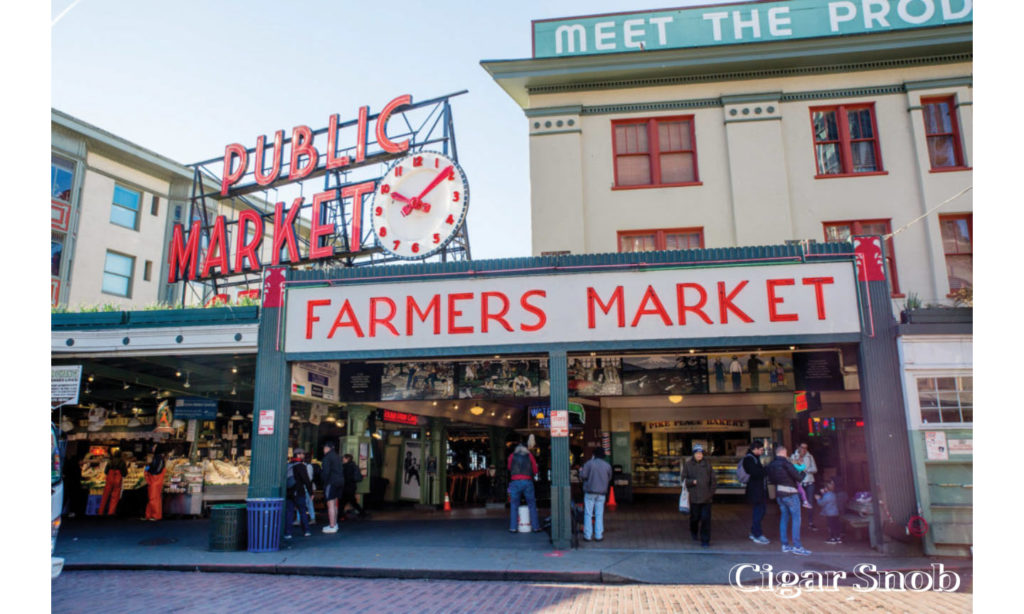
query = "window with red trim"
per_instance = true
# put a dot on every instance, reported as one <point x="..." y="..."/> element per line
<point x="846" y="140"/>
<point x="654" y="152"/>
<point x="660" y="239"/>
<point x="844" y="231"/>
<point x="958" y="245"/>
<point x="942" y="130"/>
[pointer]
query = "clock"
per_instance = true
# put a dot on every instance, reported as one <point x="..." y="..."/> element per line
<point x="419" y="205"/>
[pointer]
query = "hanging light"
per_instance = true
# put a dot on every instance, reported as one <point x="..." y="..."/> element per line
<point x="675" y="398"/>
<point x="540" y="415"/>
<point x="234" y="369"/>
<point x="125" y="386"/>
<point x="237" y="416"/>
<point x="233" y="390"/>
<point x="476" y="410"/>
<point x="91" y="378"/>
<point x="177" y="373"/>
<point x="188" y="379"/>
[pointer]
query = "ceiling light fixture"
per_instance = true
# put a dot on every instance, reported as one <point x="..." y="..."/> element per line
<point x="476" y="410"/>
<point x="233" y="390"/>
<point x="234" y="369"/>
<point x="792" y="347"/>
<point x="188" y="378"/>
<point x="125" y="386"/>
<point x="237" y="416"/>
<point x="675" y="398"/>
<point x="692" y="350"/>
<point x="91" y="378"/>
<point x="177" y="373"/>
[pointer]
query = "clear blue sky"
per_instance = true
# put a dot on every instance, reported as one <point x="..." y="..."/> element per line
<point x="187" y="77"/>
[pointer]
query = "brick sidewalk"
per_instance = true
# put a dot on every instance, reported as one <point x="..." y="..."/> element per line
<point x="153" y="592"/>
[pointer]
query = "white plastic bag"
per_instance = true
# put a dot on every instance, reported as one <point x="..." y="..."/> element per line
<point x="684" y="501"/>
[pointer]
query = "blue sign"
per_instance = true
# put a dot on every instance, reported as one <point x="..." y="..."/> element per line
<point x="198" y="408"/>
<point x="730" y="24"/>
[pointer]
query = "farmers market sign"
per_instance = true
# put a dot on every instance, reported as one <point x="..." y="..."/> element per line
<point x="729" y="24"/>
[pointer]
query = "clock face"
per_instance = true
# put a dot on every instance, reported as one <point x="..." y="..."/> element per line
<point x="419" y="205"/>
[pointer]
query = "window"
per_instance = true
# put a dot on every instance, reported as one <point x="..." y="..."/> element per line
<point x="154" y="207"/>
<point x="125" y="210"/>
<point x="62" y="175"/>
<point x="56" y="253"/>
<point x="845" y="140"/>
<point x="844" y="231"/>
<point x="943" y="133"/>
<point x="147" y="270"/>
<point x="654" y="152"/>
<point x="651" y="240"/>
<point x="117" y="274"/>
<point x="958" y="245"/>
<point x="946" y="399"/>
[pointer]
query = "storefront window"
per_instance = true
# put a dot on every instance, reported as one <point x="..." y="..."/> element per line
<point x="946" y="399"/>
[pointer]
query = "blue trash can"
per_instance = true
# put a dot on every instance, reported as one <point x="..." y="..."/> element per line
<point x="265" y="524"/>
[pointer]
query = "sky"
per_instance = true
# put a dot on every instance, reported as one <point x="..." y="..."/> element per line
<point x="188" y="77"/>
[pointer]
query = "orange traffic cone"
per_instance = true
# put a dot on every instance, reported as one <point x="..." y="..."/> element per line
<point x="447" y="503"/>
<point x="611" y="497"/>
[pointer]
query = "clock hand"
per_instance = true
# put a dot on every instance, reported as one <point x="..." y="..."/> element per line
<point x="437" y="180"/>
<point x="400" y="198"/>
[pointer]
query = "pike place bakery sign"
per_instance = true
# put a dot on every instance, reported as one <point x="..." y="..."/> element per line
<point x="786" y="299"/>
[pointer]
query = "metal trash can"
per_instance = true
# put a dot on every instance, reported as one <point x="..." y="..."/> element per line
<point x="227" y="526"/>
<point x="265" y="516"/>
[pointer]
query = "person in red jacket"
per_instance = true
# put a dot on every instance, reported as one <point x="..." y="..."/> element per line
<point x="116" y="470"/>
<point x="522" y="467"/>
<point x="155" y="482"/>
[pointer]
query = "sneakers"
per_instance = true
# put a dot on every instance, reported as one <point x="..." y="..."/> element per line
<point x="760" y="540"/>
<point x="813" y="528"/>
<point x="786" y="548"/>
<point x="800" y="551"/>
<point x="586" y="539"/>
<point x="330" y="529"/>
<point x="833" y="540"/>
<point x="287" y="535"/>
<point x="807" y="505"/>
<point x="295" y="524"/>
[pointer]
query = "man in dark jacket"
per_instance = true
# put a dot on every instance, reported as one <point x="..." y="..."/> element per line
<point x="699" y="479"/>
<point x="596" y="475"/>
<point x="296" y="495"/>
<point x="757" y="489"/>
<point x="333" y="476"/>
<point x="352" y="478"/>
<point x="784" y="475"/>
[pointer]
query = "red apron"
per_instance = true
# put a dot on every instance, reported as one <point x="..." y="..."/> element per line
<point x="155" y="507"/>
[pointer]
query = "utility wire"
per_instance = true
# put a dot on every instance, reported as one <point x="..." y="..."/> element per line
<point x="926" y="213"/>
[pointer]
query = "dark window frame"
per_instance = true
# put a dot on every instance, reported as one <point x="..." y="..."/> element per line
<point x="960" y="162"/>
<point x="659" y="234"/>
<point x="654" y="151"/>
<point x="844" y="140"/>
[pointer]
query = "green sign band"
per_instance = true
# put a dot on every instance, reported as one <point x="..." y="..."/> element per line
<point x="731" y="24"/>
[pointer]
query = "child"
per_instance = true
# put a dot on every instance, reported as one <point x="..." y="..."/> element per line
<point x="827" y="501"/>
<point x="803" y="495"/>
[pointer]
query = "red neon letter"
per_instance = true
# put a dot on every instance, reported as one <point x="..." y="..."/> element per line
<point x="773" y="314"/>
<point x="542" y="318"/>
<point x="697" y="309"/>
<point x="361" y="134"/>
<point x="247" y="251"/>
<point x="386" y="320"/>
<point x="659" y="309"/>
<point x="356" y="192"/>
<point x="284" y="231"/>
<point x="217" y="253"/>
<point x="181" y="258"/>
<point x="411" y="307"/>
<point x="454" y="313"/>
<point x="229" y="177"/>
<point x="382" y="122"/>
<point x="332" y="146"/>
<point x="318" y="229"/>
<point x="593" y="298"/>
<point x="260" y="159"/>
<point x="302" y="145"/>
<point x="725" y="303"/>
<point x="310" y="318"/>
<point x="819" y="293"/>
<point x="351" y="321"/>
<point x="499" y="317"/>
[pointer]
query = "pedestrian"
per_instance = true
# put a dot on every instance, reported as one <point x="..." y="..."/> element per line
<point x="699" y="479"/>
<point x="596" y="475"/>
<point x="803" y="457"/>
<point x="522" y="467"/>
<point x="116" y="470"/>
<point x="297" y="486"/>
<point x="828" y="503"/>
<point x="757" y="489"/>
<point x="154" y="475"/>
<point x="736" y="370"/>
<point x="352" y="477"/>
<point x="784" y="475"/>
<point x="333" y="476"/>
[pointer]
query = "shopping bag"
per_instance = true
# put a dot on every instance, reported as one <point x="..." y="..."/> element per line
<point x="684" y="501"/>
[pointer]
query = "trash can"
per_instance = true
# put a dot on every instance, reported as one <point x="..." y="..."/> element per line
<point x="265" y="516"/>
<point x="227" y="526"/>
<point x="524" y="519"/>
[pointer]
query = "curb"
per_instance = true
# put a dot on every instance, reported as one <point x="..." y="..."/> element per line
<point x="584" y="577"/>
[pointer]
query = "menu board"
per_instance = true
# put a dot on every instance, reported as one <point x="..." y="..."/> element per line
<point x="817" y="371"/>
<point x="360" y="381"/>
